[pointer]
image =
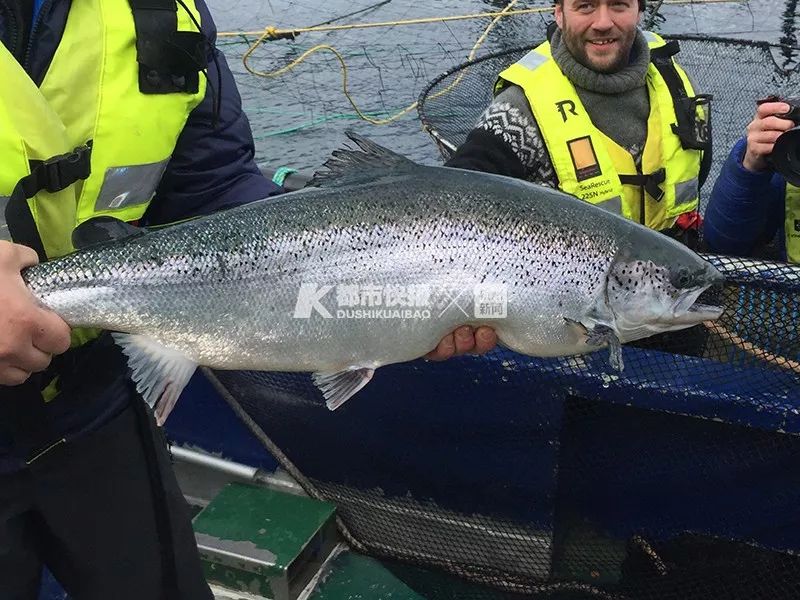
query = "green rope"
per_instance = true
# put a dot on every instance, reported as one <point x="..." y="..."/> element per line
<point x="281" y="173"/>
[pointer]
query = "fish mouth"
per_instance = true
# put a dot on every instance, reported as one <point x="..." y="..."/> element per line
<point x="686" y="309"/>
<point x="705" y="312"/>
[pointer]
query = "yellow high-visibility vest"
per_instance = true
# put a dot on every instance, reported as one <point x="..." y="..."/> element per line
<point x="90" y="94"/>
<point x="792" y="223"/>
<point x="588" y="164"/>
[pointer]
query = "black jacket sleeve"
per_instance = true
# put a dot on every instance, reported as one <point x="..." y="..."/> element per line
<point x="485" y="151"/>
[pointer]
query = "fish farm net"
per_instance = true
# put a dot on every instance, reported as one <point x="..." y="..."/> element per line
<point x="517" y="477"/>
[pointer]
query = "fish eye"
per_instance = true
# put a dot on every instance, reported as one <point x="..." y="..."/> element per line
<point x="682" y="278"/>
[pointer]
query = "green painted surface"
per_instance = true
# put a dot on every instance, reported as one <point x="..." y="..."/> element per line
<point x="232" y="578"/>
<point x="276" y="528"/>
<point x="354" y="577"/>
<point x="434" y="584"/>
<point x="282" y="524"/>
<point x="263" y="542"/>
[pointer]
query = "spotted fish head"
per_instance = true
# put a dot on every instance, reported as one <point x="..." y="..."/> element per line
<point x="655" y="288"/>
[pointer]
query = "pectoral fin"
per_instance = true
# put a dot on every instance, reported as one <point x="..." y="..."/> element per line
<point x="160" y="373"/>
<point x="599" y="336"/>
<point x="602" y="335"/>
<point x="338" y="388"/>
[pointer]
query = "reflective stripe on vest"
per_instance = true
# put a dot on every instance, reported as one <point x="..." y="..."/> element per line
<point x="4" y="235"/>
<point x="588" y="163"/>
<point x="792" y="224"/>
<point x="91" y="92"/>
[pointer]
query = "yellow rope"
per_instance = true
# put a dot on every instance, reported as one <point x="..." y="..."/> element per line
<point x="270" y="31"/>
<point x="472" y="52"/>
<point x="424" y="21"/>
<point x="339" y="57"/>
<point x="273" y="33"/>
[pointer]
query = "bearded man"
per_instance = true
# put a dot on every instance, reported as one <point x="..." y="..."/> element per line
<point x="601" y="111"/>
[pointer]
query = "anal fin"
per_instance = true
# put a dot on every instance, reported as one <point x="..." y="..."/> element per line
<point x="160" y="373"/>
<point x="338" y="388"/>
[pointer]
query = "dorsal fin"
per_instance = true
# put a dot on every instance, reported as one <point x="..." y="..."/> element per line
<point x="350" y="166"/>
<point x="102" y="230"/>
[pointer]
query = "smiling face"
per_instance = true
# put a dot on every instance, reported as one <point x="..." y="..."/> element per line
<point x="599" y="33"/>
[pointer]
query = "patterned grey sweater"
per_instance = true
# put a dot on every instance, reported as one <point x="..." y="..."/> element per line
<point x="507" y="139"/>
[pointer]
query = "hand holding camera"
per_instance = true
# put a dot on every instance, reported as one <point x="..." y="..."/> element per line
<point x="769" y="146"/>
<point x="764" y="130"/>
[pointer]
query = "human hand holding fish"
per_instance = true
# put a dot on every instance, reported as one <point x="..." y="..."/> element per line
<point x="29" y="333"/>
<point x="462" y="341"/>
<point x="377" y="261"/>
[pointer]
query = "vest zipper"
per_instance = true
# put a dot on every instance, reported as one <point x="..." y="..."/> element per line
<point x="32" y="35"/>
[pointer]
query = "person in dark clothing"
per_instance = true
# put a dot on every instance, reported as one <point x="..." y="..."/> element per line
<point x="126" y="109"/>
<point x="750" y="202"/>
<point x="85" y="481"/>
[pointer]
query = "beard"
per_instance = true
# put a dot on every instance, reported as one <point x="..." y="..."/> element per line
<point x="577" y="46"/>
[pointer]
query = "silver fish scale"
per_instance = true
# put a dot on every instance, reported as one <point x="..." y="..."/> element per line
<point x="223" y="289"/>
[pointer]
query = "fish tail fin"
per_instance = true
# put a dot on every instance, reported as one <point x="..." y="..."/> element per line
<point x="160" y="373"/>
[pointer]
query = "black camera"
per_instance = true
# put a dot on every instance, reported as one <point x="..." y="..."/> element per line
<point x="785" y="157"/>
